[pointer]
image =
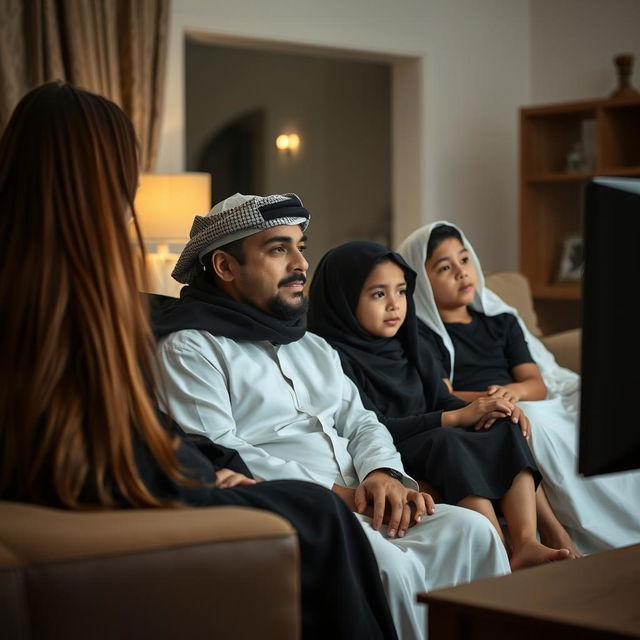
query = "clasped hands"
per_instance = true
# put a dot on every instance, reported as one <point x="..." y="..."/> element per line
<point x="482" y="412"/>
<point x="387" y="501"/>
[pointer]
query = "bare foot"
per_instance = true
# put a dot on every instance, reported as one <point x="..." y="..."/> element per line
<point x="533" y="553"/>
<point x="560" y="540"/>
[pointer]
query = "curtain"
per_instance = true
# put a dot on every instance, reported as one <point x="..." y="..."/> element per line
<point x="116" y="48"/>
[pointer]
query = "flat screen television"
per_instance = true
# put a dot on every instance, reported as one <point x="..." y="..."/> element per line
<point x="609" y="428"/>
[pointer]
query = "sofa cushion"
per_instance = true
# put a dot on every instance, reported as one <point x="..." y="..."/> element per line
<point x="147" y="573"/>
<point x="514" y="289"/>
<point x="566" y="348"/>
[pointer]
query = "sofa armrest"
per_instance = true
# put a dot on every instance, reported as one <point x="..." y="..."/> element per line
<point x="147" y="573"/>
<point x="566" y="347"/>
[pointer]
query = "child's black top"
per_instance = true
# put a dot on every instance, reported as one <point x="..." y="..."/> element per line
<point x="487" y="349"/>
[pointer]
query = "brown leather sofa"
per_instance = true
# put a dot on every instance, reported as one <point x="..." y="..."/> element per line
<point x="219" y="572"/>
<point x="158" y="573"/>
<point x="513" y="287"/>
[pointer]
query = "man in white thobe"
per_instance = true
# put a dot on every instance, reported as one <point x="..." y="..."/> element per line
<point x="240" y="369"/>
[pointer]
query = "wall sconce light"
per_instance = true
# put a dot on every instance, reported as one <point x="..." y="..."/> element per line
<point x="166" y="204"/>
<point x="288" y="142"/>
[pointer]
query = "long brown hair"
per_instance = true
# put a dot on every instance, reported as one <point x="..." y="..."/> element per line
<point x="75" y="345"/>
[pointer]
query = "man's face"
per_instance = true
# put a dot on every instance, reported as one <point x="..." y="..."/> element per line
<point x="273" y="275"/>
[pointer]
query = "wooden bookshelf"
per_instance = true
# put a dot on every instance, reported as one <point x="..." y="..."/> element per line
<point x="551" y="192"/>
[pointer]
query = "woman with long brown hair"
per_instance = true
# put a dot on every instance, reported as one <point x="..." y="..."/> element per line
<point x="79" y="424"/>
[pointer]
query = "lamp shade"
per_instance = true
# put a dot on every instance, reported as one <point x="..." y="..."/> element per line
<point x="166" y="203"/>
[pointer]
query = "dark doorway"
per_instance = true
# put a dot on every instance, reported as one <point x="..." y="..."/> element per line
<point x="339" y="107"/>
<point x="234" y="157"/>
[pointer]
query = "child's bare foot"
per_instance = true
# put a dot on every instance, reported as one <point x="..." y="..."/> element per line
<point x="533" y="553"/>
<point x="560" y="540"/>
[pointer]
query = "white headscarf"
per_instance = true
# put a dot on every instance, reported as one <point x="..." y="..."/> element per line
<point x="559" y="381"/>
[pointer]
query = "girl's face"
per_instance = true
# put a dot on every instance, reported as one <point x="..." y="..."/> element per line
<point x="452" y="275"/>
<point x="382" y="306"/>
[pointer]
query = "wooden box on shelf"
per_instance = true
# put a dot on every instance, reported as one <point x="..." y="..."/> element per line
<point x="561" y="146"/>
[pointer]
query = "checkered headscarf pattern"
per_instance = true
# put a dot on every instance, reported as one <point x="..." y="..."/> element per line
<point x="218" y="228"/>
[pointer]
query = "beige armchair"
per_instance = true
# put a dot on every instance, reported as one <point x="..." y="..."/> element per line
<point x="220" y="572"/>
<point x="514" y="289"/>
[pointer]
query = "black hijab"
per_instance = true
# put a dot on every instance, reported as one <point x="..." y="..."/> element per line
<point x="204" y="306"/>
<point x="387" y="371"/>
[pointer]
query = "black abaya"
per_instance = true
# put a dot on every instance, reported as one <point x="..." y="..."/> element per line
<point x="342" y="596"/>
<point x="401" y="382"/>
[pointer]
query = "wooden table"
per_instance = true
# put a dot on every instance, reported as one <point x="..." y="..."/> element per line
<point x="593" y="597"/>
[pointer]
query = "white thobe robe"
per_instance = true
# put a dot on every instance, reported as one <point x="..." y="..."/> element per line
<point x="291" y="413"/>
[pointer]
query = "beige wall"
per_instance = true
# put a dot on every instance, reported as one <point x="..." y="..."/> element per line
<point x="573" y="46"/>
<point x="479" y="61"/>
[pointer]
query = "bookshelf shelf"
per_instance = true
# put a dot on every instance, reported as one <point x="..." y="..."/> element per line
<point x="604" y="136"/>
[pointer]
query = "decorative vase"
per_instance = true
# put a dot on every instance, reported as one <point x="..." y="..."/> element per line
<point x="624" y="66"/>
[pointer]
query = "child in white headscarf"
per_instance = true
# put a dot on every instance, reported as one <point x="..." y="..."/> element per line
<point x="486" y="349"/>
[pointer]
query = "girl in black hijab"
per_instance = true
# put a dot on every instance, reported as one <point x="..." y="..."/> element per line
<point x="474" y="455"/>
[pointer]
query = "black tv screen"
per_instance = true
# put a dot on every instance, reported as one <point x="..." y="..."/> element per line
<point x="610" y="389"/>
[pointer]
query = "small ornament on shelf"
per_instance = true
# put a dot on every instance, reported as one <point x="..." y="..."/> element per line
<point x="624" y="66"/>
<point x="576" y="159"/>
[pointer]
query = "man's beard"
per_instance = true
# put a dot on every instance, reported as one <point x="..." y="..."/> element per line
<point x="287" y="310"/>
<point x="279" y="308"/>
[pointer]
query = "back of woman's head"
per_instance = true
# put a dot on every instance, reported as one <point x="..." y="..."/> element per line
<point x="74" y="340"/>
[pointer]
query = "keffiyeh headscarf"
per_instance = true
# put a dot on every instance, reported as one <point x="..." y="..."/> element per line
<point x="202" y="305"/>
<point x="559" y="381"/>
<point x="234" y="218"/>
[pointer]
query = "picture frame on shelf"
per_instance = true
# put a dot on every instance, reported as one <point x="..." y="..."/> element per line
<point x="571" y="259"/>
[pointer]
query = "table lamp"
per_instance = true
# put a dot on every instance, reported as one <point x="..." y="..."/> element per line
<point x="166" y="204"/>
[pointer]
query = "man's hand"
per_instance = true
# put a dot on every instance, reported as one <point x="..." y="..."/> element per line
<point x="226" y="478"/>
<point x="391" y="503"/>
<point x="347" y="494"/>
